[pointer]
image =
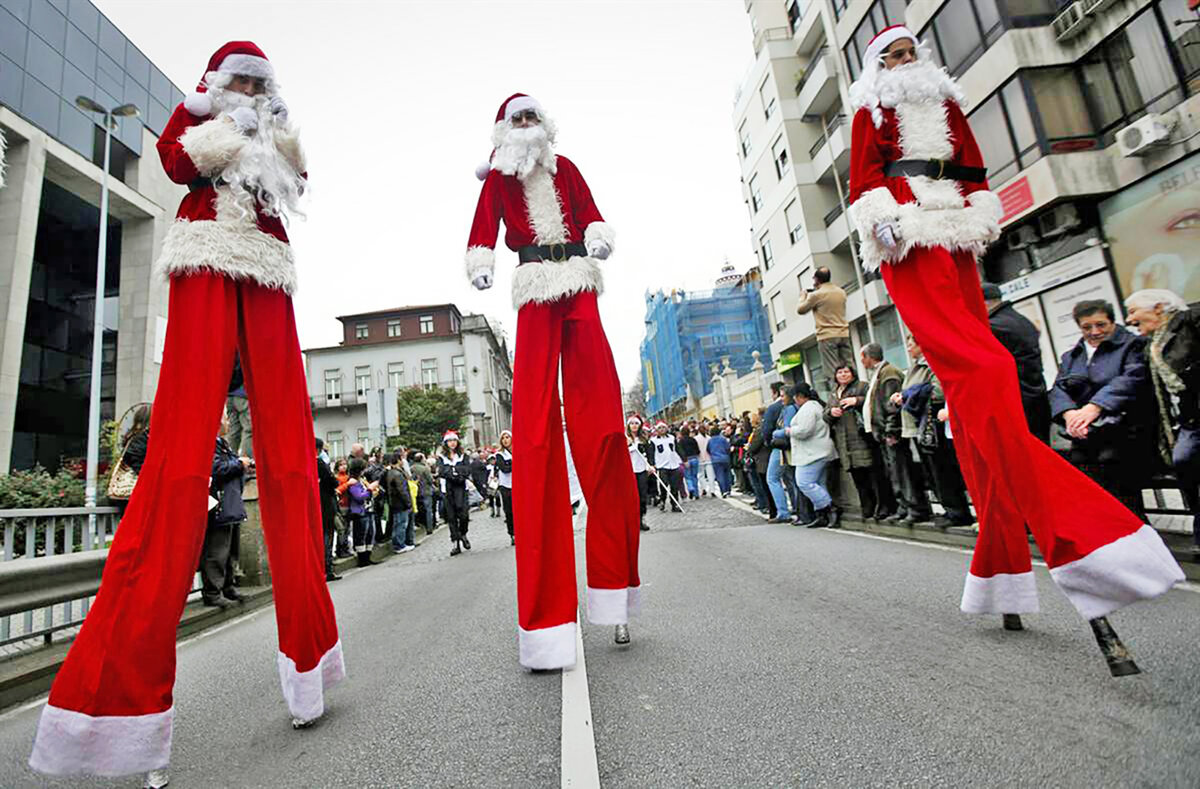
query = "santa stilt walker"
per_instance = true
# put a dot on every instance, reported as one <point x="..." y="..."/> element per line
<point x="919" y="197"/>
<point x="553" y="225"/>
<point x="232" y="276"/>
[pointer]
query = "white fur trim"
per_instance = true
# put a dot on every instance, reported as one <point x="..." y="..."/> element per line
<point x="872" y="207"/>
<point x="549" y="281"/>
<point x="247" y="66"/>
<point x="600" y="231"/>
<point x="72" y="743"/>
<point x="885" y="39"/>
<point x="1136" y="567"/>
<point x="547" y="647"/>
<point x="234" y="247"/>
<point x="199" y="104"/>
<point x="305" y="690"/>
<point x="482" y="169"/>
<point x="922" y="81"/>
<point x="521" y="103"/>
<point x="545" y="207"/>
<point x="287" y="141"/>
<point x="971" y="227"/>
<point x="924" y="129"/>
<point x="480" y="260"/>
<point x="1003" y="593"/>
<point x="613" y="606"/>
<point x="213" y="145"/>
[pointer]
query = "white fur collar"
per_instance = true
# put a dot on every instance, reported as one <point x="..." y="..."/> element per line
<point x="921" y="82"/>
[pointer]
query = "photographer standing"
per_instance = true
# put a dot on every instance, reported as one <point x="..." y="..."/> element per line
<point x="827" y="303"/>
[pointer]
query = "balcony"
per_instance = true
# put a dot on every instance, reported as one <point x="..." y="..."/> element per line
<point x="836" y="232"/>
<point x="832" y="149"/>
<point x="343" y="400"/>
<point x="817" y="88"/>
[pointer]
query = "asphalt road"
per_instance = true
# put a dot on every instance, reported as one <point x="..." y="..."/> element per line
<point x="766" y="656"/>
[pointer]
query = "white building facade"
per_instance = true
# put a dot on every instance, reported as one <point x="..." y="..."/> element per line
<point x="1087" y="115"/>
<point x="425" y="346"/>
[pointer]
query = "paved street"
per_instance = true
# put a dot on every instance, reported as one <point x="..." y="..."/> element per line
<point x="766" y="656"/>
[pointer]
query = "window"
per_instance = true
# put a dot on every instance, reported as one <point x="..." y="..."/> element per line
<point x="362" y="381"/>
<point x="426" y="324"/>
<point x="1060" y="104"/>
<point x="995" y="143"/>
<point x="364" y="436"/>
<point x="429" y="373"/>
<point x="794" y="13"/>
<point x="394" y="327"/>
<point x="768" y="102"/>
<point x="1183" y="32"/>
<point x="458" y="366"/>
<point x="962" y="30"/>
<point x="780" y="155"/>
<point x="335" y="444"/>
<point x="768" y="259"/>
<point x="360" y="331"/>
<point x="792" y="216"/>
<point x="839" y="6"/>
<point x="333" y="387"/>
<point x="744" y="136"/>
<point x="755" y="195"/>
<point x="880" y="15"/>
<point x="777" y="312"/>
<point x="396" y="374"/>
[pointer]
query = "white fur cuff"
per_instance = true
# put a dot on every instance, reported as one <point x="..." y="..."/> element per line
<point x="547" y="647"/>
<point x="480" y="260"/>
<point x="1136" y="567"/>
<point x="212" y="145"/>
<point x="305" y="690"/>
<point x="872" y="207"/>
<point x="987" y="203"/>
<point x="287" y="141"/>
<point x="70" y="743"/>
<point x="1003" y="593"/>
<point x="600" y="231"/>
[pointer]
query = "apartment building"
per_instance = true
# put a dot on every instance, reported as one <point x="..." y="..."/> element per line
<point x="51" y="53"/>
<point x="432" y="346"/>
<point x="1087" y="116"/>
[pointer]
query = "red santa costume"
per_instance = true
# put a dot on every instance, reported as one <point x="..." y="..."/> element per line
<point x="552" y="221"/>
<point x="1101" y="555"/>
<point x="110" y="711"/>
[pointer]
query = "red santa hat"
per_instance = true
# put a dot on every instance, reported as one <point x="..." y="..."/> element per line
<point x="518" y="102"/>
<point x="504" y="433"/>
<point x="449" y="436"/>
<point x="236" y="57"/>
<point x="636" y="416"/>
<point x="659" y="424"/>
<point x="884" y="39"/>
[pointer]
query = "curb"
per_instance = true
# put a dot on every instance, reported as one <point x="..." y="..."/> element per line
<point x="30" y="674"/>
<point x="964" y="537"/>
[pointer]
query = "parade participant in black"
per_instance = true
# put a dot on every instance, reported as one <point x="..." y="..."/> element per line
<point x="327" y="488"/>
<point x="454" y="469"/>
<point x="668" y="467"/>
<point x="504" y="467"/>
<point x="216" y="565"/>
<point x="641" y="454"/>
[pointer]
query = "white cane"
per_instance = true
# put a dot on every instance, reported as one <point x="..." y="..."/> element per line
<point x="670" y="497"/>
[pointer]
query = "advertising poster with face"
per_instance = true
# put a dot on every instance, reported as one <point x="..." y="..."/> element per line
<point x="1153" y="229"/>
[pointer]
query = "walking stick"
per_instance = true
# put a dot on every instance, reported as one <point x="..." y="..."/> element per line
<point x="670" y="497"/>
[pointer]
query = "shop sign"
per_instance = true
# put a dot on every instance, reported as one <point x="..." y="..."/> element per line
<point x="1055" y="274"/>
<point x="1015" y="198"/>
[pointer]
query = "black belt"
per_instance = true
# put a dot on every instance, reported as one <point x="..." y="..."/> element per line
<point x="556" y="253"/>
<point x="203" y="183"/>
<point x="936" y="169"/>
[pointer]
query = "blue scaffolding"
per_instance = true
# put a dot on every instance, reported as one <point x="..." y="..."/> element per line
<point x="689" y="331"/>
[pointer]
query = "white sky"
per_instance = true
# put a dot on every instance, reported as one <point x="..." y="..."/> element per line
<point x="396" y="101"/>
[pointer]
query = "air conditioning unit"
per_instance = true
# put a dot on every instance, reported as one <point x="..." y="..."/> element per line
<point x="1092" y="7"/>
<point x="1058" y="220"/>
<point x="1022" y="237"/>
<point x="1143" y="135"/>
<point x="1072" y="21"/>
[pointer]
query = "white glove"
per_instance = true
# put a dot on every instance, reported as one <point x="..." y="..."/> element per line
<point x="482" y="282"/>
<point x="278" y="108"/>
<point x="888" y="234"/>
<point x="245" y="119"/>
<point x="598" y="249"/>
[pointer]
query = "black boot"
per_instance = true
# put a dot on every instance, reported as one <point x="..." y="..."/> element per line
<point x="644" y="527"/>
<point x="362" y="558"/>
<point x="466" y="543"/>
<point x="835" y="517"/>
<point x="820" y="519"/>
<point x="1013" y="622"/>
<point x="1120" y="662"/>
<point x="456" y="550"/>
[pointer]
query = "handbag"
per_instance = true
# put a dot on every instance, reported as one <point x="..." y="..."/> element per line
<point x="120" y="484"/>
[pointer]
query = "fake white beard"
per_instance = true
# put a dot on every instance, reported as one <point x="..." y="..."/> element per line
<point x="523" y="149"/>
<point x="919" y="81"/>
<point x="261" y="174"/>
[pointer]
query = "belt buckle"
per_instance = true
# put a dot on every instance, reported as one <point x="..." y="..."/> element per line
<point x="941" y="163"/>
<point x="558" y="253"/>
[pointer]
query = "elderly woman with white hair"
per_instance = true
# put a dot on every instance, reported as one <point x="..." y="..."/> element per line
<point x="1173" y="356"/>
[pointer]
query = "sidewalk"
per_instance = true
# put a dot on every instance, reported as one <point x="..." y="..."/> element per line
<point x="964" y="536"/>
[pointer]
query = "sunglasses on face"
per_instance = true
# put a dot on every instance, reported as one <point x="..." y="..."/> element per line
<point x="898" y="54"/>
<point x="525" y="116"/>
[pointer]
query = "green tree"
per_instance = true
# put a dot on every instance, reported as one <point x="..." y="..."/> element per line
<point x="424" y="415"/>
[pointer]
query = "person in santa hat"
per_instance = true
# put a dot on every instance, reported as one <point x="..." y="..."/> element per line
<point x="920" y="200"/>
<point x="454" y="470"/>
<point x="560" y="237"/>
<point x="504" y="458"/>
<point x="232" y="276"/>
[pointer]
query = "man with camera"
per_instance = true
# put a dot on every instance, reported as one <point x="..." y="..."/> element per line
<point x="827" y="303"/>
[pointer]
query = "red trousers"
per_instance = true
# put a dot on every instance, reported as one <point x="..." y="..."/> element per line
<point x="110" y="710"/>
<point x="1099" y="553"/>
<point x="546" y="602"/>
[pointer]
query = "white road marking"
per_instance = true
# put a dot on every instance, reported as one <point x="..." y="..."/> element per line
<point x="1187" y="586"/>
<point x="578" y="758"/>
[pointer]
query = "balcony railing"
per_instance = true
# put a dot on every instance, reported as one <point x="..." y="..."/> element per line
<point x="816" y="146"/>
<point x="821" y="52"/>
<point x="832" y="216"/>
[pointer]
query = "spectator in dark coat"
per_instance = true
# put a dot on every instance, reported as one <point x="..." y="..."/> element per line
<point x="216" y="564"/>
<point x="426" y="512"/>
<point x="1103" y="400"/>
<point x="479" y="476"/>
<point x="327" y="486"/>
<point x="856" y="454"/>
<point x="720" y="451"/>
<point x="881" y="420"/>
<point x="399" y="505"/>
<point x="1020" y="338"/>
<point x="1172" y="331"/>
<point x="758" y="457"/>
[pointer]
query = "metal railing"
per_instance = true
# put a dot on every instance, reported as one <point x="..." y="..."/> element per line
<point x="51" y="562"/>
<point x="816" y="146"/>
<point x="832" y="216"/>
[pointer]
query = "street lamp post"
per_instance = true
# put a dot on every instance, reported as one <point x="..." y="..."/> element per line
<point x="93" y="436"/>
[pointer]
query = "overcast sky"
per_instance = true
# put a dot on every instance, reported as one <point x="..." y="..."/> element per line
<point x="396" y="102"/>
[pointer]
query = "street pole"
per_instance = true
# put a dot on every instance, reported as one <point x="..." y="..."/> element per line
<point x="93" y="436"/>
<point x="837" y="180"/>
